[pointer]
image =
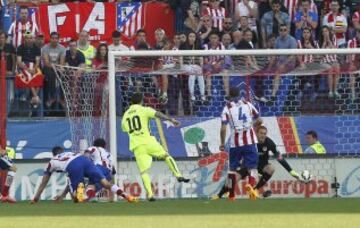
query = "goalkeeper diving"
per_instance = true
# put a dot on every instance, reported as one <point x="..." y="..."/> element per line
<point x="136" y="123"/>
<point x="265" y="147"/>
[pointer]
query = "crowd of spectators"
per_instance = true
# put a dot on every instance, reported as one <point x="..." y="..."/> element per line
<point x="201" y="24"/>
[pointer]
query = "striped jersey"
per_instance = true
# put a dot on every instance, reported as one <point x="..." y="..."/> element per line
<point x="18" y="29"/>
<point x="307" y="58"/>
<point x="100" y="156"/>
<point x="353" y="43"/>
<point x="239" y="115"/>
<point x="217" y="15"/>
<point x="214" y="59"/>
<point x="60" y="162"/>
<point x="293" y="6"/>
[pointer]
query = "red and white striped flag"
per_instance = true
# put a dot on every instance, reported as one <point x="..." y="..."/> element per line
<point x="129" y="18"/>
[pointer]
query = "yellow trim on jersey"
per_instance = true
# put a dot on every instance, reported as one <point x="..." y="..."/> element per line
<point x="296" y="135"/>
<point x="161" y="134"/>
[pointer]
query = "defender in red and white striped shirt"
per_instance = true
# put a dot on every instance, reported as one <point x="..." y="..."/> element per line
<point x="18" y="28"/>
<point x="240" y="115"/>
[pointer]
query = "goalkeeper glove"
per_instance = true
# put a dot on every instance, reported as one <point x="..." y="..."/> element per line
<point x="294" y="174"/>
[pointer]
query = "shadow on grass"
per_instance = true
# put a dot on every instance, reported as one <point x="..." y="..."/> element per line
<point x="184" y="207"/>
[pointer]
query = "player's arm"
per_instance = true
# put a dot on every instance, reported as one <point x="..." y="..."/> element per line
<point x="282" y="161"/>
<point x="61" y="196"/>
<point x="222" y="137"/>
<point x="44" y="181"/>
<point x="162" y="116"/>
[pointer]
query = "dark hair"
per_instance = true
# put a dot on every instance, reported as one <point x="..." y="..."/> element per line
<point x="142" y="46"/>
<point x="283" y="25"/>
<point x="247" y="30"/>
<point x="321" y="40"/>
<point x="54" y="34"/>
<point x="72" y="41"/>
<point x="195" y="46"/>
<point x="136" y="98"/>
<point x="115" y="34"/>
<point x="262" y="127"/>
<point x="234" y="92"/>
<point x="275" y="2"/>
<point x="311" y="37"/>
<point x="98" y="55"/>
<point x="140" y="31"/>
<point x="309" y="1"/>
<point x="57" y="150"/>
<point x="312" y="133"/>
<point x="214" y="33"/>
<point x="23" y="7"/>
<point x="100" y="142"/>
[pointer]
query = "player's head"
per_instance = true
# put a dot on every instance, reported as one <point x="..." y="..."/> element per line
<point x="311" y="137"/>
<point x="57" y="150"/>
<point x="261" y="133"/>
<point x="234" y="92"/>
<point x="137" y="98"/>
<point x="116" y="37"/>
<point x="100" y="142"/>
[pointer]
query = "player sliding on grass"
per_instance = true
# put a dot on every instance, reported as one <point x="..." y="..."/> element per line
<point x="240" y="115"/>
<point x="136" y="122"/>
<point x="265" y="146"/>
<point x="6" y="164"/>
<point x="102" y="160"/>
<point x="77" y="167"/>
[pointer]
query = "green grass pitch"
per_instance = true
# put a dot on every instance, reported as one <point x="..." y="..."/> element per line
<point x="197" y="213"/>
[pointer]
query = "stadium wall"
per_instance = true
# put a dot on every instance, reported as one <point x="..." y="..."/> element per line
<point x="208" y="176"/>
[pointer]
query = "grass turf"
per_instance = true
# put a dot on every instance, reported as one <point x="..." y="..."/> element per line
<point x="186" y="213"/>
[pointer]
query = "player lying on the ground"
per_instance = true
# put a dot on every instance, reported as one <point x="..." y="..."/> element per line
<point x="136" y="122"/>
<point x="240" y="115"/>
<point x="77" y="167"/>
<point x="7" y="164"/>
<point x="265" y="146"/>
<point x="102" y="160"/>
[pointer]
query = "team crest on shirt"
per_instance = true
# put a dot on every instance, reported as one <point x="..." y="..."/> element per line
<point x="265" y="148"/>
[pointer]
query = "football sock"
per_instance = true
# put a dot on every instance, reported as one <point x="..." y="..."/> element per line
<point x="252" y="177"/>
<point x="231" y="182"/>
<point x="223" y="190"/>
<point x="90" y="193"/>
<point x="147" y="184"/>
<point x="264" y="178"/>
<point x="172" y="166"/>
<point x="8" y="182"/>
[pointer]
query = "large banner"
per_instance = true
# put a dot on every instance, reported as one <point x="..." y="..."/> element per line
<point x="348" y="175"/>
<point x="207" y="174"/>
<point x="101" y="19"/>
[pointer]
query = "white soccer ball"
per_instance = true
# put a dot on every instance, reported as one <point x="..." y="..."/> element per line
<point x="306" y="176"/>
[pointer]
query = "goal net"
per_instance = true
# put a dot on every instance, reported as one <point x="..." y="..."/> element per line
<point x="296" y="91"/>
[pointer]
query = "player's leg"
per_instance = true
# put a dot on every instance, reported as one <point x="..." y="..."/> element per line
<point x="6" y="164"/>
<point x="251" y="163"/>
<point x="242" y="173"/>
<point x="76" y="174"/>
<point x="234" y="159"/>
<point x="144" y="161"/>
<point x="267" y="172"/>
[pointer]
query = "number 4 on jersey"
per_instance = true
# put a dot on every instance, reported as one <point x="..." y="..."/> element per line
<point x="242" y="115"/>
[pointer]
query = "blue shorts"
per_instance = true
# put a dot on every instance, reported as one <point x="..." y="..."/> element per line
<point x="82" y="167"/>
<point x="246" y="155"/>
<point x="107" y="174"/>
<point x="5" y="163"/>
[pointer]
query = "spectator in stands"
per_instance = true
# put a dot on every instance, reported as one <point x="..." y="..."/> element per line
<point x="337" y="22"/>
<point x="39" y="40"/>
<point x="52" y="53"/>
<point x="101" y="59"/>
<point x="19" y="27"/>
<point x="284" y="63"/>
<point x="226" y="40"/>
<point x="271" y="21"/>
<point x="140" y="39"/>
<point x="116" y="42"/>
<point x="205" y="28"/>
<point x="236" y="38"/>
<point x="183" y="37"/>
<point x="328" y="40"/>
<point x="192" y="9"/>
<point x="28" y="61"/>
<point x="74" y="57"/>
<point x="177" y="41"/>
<point x="159" y="38"/>
<point x="216" y="13"/>
<point x="305" y="18"/>
<point x="315" y="147"/>
<point x="9" y="51"/>
<point x="86" y="48"/>
<point x="354" y="62"/>
<point x="248" y="61"/>
<point x="308" y="82"/>
<point x="215" y="64"/>
<point x="356" y="19"/>
<point x="248" y="9"/>
<point x="193" y="64"/>
<point x="244" y="25"/>
<point x="264" y="6"/>
<point x="227" y="26"/>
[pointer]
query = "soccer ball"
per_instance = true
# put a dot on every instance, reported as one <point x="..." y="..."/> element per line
<point x="306" y="176"/>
